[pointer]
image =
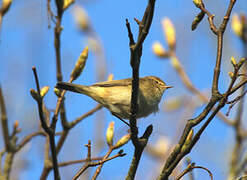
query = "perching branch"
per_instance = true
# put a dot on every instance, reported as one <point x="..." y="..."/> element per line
<point x="135" y="59"/>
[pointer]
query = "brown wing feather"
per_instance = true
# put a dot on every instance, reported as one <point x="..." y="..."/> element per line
<point x="122" y="82"/>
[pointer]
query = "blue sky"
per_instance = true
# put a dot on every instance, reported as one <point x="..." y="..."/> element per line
<point x="26" y="41"/>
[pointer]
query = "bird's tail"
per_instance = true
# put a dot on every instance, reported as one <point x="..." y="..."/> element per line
<point x="72" y="87"/>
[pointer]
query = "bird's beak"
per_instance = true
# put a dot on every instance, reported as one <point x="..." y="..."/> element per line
<point x="167" y="87"/>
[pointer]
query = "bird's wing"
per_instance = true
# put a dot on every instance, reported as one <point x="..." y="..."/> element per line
<point x="122" y="82"/>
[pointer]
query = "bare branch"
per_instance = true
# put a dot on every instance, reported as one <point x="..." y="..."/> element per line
<point x="4" y="122"/>
<point x="192" y="166"/>
<point x="48" y="130"/>
<point x="177" y="153"/>
<point x="135" y="58"/>
<point x="92" y="164"/>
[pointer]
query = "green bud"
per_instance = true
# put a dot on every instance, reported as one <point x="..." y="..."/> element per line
<point x="122" y="141"/>
<point x="233" y="61"/>
<point x="67" y="3"/>
<point x="57" y="92"/>
<point x="44" y="91"/>
<point x="197" y="20"/>
<point x="5" y="6"/>
<point x="159" y="50"/>
<point x="242" y="61"/>
<point x="34" y="94"/>
<point x="110" y="134"/>
<point x="231" y="74"/>
<point x="237" y="25"/>
<point x="80" y="64"/>
<point x="188" y="139"/>
<point x="81" y="18"/>
<point x="198" y="3"/>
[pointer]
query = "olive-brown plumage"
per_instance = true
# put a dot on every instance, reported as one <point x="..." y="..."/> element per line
<point x="115" y="95"/>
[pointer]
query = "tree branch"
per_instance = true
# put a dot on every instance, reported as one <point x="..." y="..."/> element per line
<point x="135" y="58"/>
<point x="47" y="129"/>
<point x="177" y="154"/>
<point x="4" y="122"/>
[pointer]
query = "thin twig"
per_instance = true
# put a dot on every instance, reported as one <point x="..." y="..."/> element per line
<point x="64" y="134"/>
<point x="40" y="103"/>
<point x="59" y="106"/>
<point x="188" y="162"/>
<point x="28" y="138"/>
<point x="180" y="154"/>
<point x="220" y="33"/>
<point x="4" y="122"/>
<point x="57" y="43"/>
<point x="88" y="160"/>
<point x="67" y="163"/>
<point x="131" y="38"/>
<point x="62" y="140"/>
<point x="47" y="129"/>
<point x="236" y="100"/>
<point x="236" y="166"/>
<point x="187" y="149"/>
<point x="92" y="164"/>
<point x="101" y="165"/>
<point x="189" y="85"/>
<point x="210" y="19"/>
<point x="192" y="166"/>
<point x="73" y="124"/>
<point x="47" y="162"/>
<point x="239" y="85"/>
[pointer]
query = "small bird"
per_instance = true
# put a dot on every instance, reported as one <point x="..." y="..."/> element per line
<point x="115" y="95"/>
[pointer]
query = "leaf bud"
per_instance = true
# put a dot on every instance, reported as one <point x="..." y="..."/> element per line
<point x="110" y="134"/>
<point x="44" y="91"/>
<point x="233" y="61"/>
<point x="169" y="32"/>
<point x="122" y="141"/>
<point x="58" y="92"/>
<point x="5" y="6"/>
<point x="34" y="94"/>
<point x="158" y="50"/>
<point x="81" y="18"/>
<point x="231" y="74"/>
<point x="80" y="64"/>
<point x="198" y="3"/>
<point x="237" y="25"/>
<point x="67" y="3"/>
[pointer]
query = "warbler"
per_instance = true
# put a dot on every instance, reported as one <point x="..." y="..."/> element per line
<point x="115" y="95"/>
